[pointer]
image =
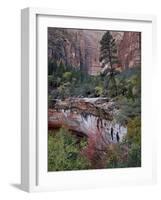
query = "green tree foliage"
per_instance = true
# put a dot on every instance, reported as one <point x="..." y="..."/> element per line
<point x="129" y="96"/>
<point x="98" y="91"/>
<point x="108" y="50"/>
<point x="52" y="67"/>
<point x="134" y="130"/>
<point x="129" y="83"/>
<point x="108" y="57"/>
<point x="61" y="69"/>
<point x="65" y="81"/>
<point x="67" y="76"/>
<point x="134" y="141"/>
<point x="64" y="153"/>
<point x="128" y="152"/>
<point x="64" y="150"/>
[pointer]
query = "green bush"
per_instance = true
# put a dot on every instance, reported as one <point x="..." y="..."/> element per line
<point x="134" y="130"/>
<point x="98" y="91"/>
<point x="134" y="141"/>
<point x="134" y="156"/>
<point x="67" y="76"/>
<point x="128" y="152"/>
<point x="64" y="153"/>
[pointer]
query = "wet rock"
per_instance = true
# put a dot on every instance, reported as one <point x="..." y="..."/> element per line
<point x="86" y="116"/>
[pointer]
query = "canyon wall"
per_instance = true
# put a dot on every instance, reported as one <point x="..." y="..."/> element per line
<point x="81" y="48"/>
<point x="129" y="50"/>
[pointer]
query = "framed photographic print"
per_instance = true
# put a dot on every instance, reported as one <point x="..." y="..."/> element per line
<point x="86" y="106"/>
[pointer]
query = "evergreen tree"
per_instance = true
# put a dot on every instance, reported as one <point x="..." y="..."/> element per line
<point x="108" y="57"/>
<point x="61" y="69"/>
<point x="52" y="67"/>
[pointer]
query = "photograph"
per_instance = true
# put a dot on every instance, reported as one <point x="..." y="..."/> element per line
<point x="94" y="99"/>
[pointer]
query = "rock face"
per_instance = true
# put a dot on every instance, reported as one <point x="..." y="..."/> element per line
<point x="81" y="48"/>
<point x="87" y="116"/>
<point x="129" y="50"/>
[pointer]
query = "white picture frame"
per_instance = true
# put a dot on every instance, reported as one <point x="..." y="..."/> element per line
<point x="33" y="177"/>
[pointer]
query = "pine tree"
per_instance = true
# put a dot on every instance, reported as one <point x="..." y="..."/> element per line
<point x="108" y="57"/>
<point x="61" y="69"/>
<point x="52" y="67"/>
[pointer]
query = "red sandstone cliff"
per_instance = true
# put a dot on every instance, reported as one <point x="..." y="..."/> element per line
<point x="129" y="50"/>
<point x="81" y="48"/>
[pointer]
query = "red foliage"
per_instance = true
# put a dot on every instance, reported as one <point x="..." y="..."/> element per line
<point x="90" y="149"/>
<point x="95" y="149"/>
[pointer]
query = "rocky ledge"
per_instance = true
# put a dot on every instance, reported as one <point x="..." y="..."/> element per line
<point x="86" y="116"/>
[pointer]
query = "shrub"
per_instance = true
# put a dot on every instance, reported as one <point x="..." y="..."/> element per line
<point x="134" y="142"/>
<point x="64" y="153"/>
<point x="96" y="150"/>
<point x="98" y="91"/>
<point x="134" y="156"/>
<point x="134" y="131"/>
<point x="67" y="76"/>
